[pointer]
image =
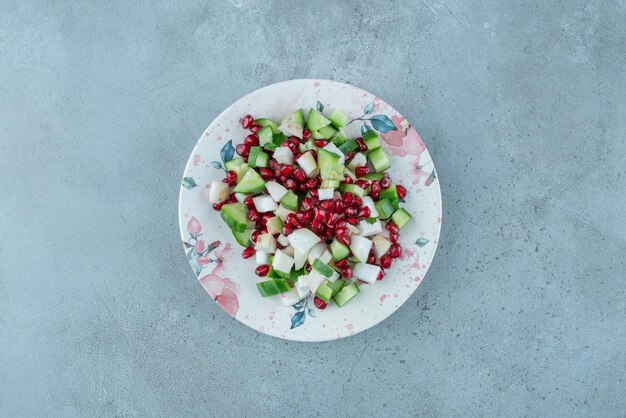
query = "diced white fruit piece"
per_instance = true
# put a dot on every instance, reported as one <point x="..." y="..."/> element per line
<point x="264" y="203"/>
<point x="282" y="262"/>
<point x="381" y="245"/>
<point x="316" y="251"/>
<point x="303" y="239"/>
<point x="274" y="225"/>
<point x="334" y="277"/>
<point x="290" y="127"/>
<point x="353" y="229"/>
<point x="288" y="250"/>
<point x="277" y="191"/>
<point x="283" y="155"/>
<point x="219" y="192"/>
<point x="326" y="257"/>
<point x="325" y="194"/>
<point x="266" y="243"/>
<point x="367" y="229"/>
<point x="366" y="272"/>
<point x="314" y="279"/>
<point x="282" y="212"/>
<point x="369" y="202"/>
<point x="290" y="297"/>
<point x="302" y="286"/>
<point x="299" y="258"/>
<point x="262" y="258"/>
<point x="333" y="148"/>
<point x="282" y="240"/>
<point x="240" y="197"/>
<point x="308" y="164"/>
<point x="357" y="160"/>
<point x="360" y="247"/>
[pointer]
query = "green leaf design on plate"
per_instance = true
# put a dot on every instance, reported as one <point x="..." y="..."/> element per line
<point x="421" y="242"/>
<point x="189" y="183"/>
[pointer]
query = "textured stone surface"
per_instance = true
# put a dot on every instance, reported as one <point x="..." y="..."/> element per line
<point x="522" y="105"/>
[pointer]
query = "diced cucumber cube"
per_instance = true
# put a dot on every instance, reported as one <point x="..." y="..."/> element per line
<point x="371" y="139"/>
<point x="290" y="200"/>
<point x="315" y="120"/>
<point x="338" y="118"/>
<point x="346" y="294"/>
<point x="235" y="215"/>
<point x="401" y="217"/>
<point x="379" y="160"/>
<point x="264" y="122"/>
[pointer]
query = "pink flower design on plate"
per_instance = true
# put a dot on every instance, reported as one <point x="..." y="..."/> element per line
<point x="193" y="227"/>
<point x="199" y="246"/>
<point x="223" y="290"/>
<point x="404" y="141"/>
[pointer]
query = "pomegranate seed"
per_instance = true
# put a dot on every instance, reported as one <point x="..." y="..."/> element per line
<point x="391" y="227"/>
<point x="218" y="206"/>
<point x="361" y="144"/>
<point x="306" y="134"/>
<point x="341" y="231"/>
<point x="245" y="159"/>
<point x="248" y="252"/>
<point x="343" y="263"/>
<point x="401" y="190"/>
<point x="243" y="150"/>
<point x="375" y="187"/>
<point x="251" y="140"/>
<point x="231" y="178"/>
<point x="352" y="221"/>
<point x="318" y="215"/>
<point x="385" y="182"/>
<point x="232" y="198"/>
<point x="297" y="155"/>
<point x="292" y="219"/>
<point x="395" y="250"/>
<point x="255" y="236"/>
<point x="302" y="217"/>
<point x="319" y="303"/>
<point x="282" y="178"/>
<point x="351" y="212"/>
<point x="308" y="268"/>
<point x="292" y="147"/>
<point x="255" y="129"/>
<point x="371" y="259"/>
<point x="253" y="215"/>
<point x="321" y="142"/>
<point x="385" y="261"/>
<point x="361" y="170"/>
<point x="315" y="201"/>
<point x="363" y="184"/>
<point x="381" y="274"/>
<point x="344" y="239"/>
<point x="247" y="122"/>
<point x="302" y="187"/>
<point x="287" y="171"/>
<point x="262" y="270"/>
<point x="307" y="203"/>
<point x="350" y="156"/>
<point x="313" y="184"/>
<point x="299" y="176"/>
<point x="290" y="184"/>
<point x="288" y="229"/>
<point x="327" y="204"/>
<point x="248" y="202"/>
<point x="358" y="202"/>
<point x="266" y="173"/>
<point x="347" y="179"/>
<point x="273" y="164"/>
<point x="374" y="195"/>
<point x="338" y="207"/>
<point x="316" y="225"/>
<point x="265" y="217"/>
<point x="311" y="190"/>
<point x="346" y="272"/>
<point x="347" y="199"/>
<point x="364" y="212"/>
<point x="393" y="237"/>
<point x="329" y="218"/>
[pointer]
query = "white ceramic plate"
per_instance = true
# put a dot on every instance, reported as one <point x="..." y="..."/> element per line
<point x="215" y="257"/>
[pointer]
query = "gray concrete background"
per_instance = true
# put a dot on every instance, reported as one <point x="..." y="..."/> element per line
<point x="522" y="105"/>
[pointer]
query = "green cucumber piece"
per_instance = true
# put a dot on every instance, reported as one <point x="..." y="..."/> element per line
<point x="265" y="136"/>
<point x="384" y="208"/>
<point x="264" y="122"/>
<point x="324" y="291"/>
<point x="309" y="145"/>
<point x="338" y="118"/>
<point x="322" y="268"/>
<point x="258" y="158"/>
<point x="328" y="164"/>
<point x="238" y="166"/>
<point x="349" y="145"/>
<point x="315" y="120"/>
<point x="401" y="217"/>
<point x="354" y="189"/>
<point x="251" y="183"/>
<point x="327" y="132"/>
<point x="339" y="138"/>
<point x="374" y="176"/>
<point x="290" y="200"/>
<point x="243" y="238"/>
<point x="379" y="159"/>
<point x="317" y="135"/>
<point x="329" y="184"/>
<point x="235" y="215"/>
<point x="336" y="286"/>
<point x="390" y="193"/>
<point x="346" y="294"/>
<point x="372" y="140"/>
<point x="273" y="287"/>
<point x="278" y="139"/>
<point x="339" y="250"/>
<point x="298" y="117"/>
